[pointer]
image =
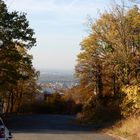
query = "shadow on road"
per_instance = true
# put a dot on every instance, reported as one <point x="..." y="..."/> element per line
<point x="48" y="124"/>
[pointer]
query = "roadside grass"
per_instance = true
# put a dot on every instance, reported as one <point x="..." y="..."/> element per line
<point x="128" y="129"/>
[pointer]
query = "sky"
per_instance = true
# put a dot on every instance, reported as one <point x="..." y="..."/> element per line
<point x="60" y="26"/>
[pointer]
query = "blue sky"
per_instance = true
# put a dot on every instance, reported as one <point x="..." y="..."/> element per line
<point x="59" y="26"/>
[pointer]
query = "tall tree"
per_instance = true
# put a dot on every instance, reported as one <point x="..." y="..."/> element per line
<point x="16" y="38"/>
<point x="110" y="54"/>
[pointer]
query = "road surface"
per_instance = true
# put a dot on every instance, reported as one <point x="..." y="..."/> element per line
<point x="52" y="127"/>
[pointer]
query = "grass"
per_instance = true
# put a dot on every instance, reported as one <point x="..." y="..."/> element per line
<point x="129" y="128"/>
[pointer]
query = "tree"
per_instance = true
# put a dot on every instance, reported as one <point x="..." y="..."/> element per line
<point x="110" y="54"/>
<point x="14" y="31"/>
<point x="16" y="39"/>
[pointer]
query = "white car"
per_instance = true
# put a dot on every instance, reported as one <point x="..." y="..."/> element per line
<point x="5" y="134"/>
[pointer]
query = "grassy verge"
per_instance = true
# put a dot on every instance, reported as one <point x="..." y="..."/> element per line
<point x="129" y="128"/>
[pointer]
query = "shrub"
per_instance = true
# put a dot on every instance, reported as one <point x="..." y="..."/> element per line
<point x="131" y="100"/>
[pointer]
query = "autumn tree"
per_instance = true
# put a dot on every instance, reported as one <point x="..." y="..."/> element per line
<point x="110" y="58"/>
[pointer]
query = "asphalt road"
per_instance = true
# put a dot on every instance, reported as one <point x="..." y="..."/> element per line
<point x="52" y="127"/>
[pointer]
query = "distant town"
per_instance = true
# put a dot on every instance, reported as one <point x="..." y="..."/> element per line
<point x="52" y="81"/>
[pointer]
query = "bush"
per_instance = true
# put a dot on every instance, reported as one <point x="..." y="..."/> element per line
<point x="99" y="110"/>
<point x="131" y="100"/>
<point x="55" y="104"/>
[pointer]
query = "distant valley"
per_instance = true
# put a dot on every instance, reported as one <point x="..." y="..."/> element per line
<point x="56" y="80"/>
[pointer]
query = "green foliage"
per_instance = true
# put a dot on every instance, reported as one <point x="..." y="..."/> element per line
<point x="17" y="75"/>
<point x="14" y="32"/>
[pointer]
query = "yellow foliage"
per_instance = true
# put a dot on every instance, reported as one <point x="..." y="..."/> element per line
<point x="131" y="102"/>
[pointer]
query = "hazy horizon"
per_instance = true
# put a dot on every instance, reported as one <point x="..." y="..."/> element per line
<point x="57" y="70"/>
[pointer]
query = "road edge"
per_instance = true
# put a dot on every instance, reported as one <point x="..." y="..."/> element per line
<point x="116" y="136"/>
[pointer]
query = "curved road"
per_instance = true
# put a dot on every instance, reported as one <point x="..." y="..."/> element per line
<point x="52" y="127"/>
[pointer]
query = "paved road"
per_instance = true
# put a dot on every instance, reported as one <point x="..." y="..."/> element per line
<point x="52" y="127"/>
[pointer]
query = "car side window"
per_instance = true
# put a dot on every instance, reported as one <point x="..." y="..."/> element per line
<point x="1" y="123"/>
